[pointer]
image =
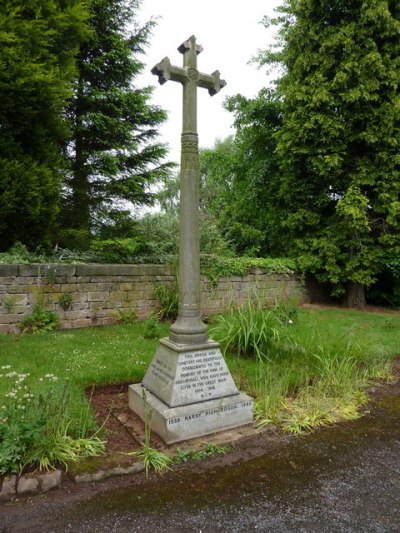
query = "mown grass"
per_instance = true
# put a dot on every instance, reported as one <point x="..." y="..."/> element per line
<point x="314" y="371"/>
<point x="81" y="358"/>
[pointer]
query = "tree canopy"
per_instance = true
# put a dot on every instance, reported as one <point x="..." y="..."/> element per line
<point x="38" y="44"/>
<point x="338" y="146"/>
<point x="113" y="154"/>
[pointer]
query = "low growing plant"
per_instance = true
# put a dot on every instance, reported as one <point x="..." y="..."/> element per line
<point x="65" y="300"/>
<point x="152" y="327"/>
<point x="34" y="428"/>
<point x="152" y="458"/>
<point x="40" y="320"/>
<point x="209" y="450"/>
<point x="128" y="316"/>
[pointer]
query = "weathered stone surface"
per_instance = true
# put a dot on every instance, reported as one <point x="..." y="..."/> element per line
<point x="28" y="484"/>
<point x="119" y="292"/>
<point x="9" y="270"/>
<point x="8" y="487"/>
<point x="181" y="375"/>
<point x="100" y="475"/>
<point x="50" y="480"/>
<point x="196" y="420"/>
<point x="107" y="270"/>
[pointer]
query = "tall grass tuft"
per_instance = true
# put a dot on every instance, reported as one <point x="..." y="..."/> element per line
<point x="302" y="375"/>
<point x="250" y="330"/>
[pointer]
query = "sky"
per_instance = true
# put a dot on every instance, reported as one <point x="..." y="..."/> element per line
<point x="230" y="33"/>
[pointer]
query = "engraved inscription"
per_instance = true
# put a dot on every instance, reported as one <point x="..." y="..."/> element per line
<point x="210" y="412"/>
<point x="202" y="373"/>
<point x="162" y="371"/>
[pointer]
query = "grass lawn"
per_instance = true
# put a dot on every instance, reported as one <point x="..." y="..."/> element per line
<point x="327" y="353"/>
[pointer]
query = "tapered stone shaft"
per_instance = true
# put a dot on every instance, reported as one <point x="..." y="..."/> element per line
<point x="189" y="327"/>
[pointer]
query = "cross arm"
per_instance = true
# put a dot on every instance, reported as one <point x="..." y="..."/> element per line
<point x="165" y="71"/>
<point x="212" y="82"/>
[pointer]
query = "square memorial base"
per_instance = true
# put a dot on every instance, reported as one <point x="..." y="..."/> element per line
<point x="175" y="424"/>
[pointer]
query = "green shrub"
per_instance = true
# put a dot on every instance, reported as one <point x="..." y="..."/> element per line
<point x="17" y="254"/>
<point x="215" y="267"/>
<point x="40" y="320"/>
<point x="118" y="250"/>
<point x="127" y="316"/>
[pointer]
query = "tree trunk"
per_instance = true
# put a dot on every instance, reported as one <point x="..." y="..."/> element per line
<point x="355" y="295"/>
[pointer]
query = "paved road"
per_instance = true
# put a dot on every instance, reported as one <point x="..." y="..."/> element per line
<point x="340" y="479"/>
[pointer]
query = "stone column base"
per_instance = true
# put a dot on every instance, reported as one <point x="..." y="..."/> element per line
<point x="175" y="424"/>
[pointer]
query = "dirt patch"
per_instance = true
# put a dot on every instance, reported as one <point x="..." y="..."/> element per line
<point x="123" y="430"/>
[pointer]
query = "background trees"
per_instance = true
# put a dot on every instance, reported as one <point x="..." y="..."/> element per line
<point x="112" y="153"/>
<point x="38" y="42"/>
<point x="338" y="146"/>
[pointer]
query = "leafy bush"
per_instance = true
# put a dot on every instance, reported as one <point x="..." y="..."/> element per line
<point x="17" y="254"/>
<point x="116" y="250"/>
<point x="40" y="320"/>
<point x="65" y="300"/>
<point x="152" y="327"/>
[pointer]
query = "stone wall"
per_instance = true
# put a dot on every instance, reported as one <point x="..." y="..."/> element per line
<point x="101" y="294"/>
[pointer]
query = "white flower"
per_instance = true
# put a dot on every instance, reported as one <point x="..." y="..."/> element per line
<point x="11" y="394"/>
<point x="290" y="321"/>
<point x="6" y="367"/>
<point x="11" y="375"/>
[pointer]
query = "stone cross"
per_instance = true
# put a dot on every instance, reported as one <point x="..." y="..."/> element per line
<point x="188" y="387"/>
<point x="189" y="327"/>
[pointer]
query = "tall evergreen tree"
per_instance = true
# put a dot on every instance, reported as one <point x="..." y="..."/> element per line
<point x="38" y="43"/>
<point x="339" y="143"/>
<point x="114" y="158"/>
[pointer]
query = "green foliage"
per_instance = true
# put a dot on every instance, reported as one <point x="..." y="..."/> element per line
<point x="38" y="43"/>
<point x="39" y="321"/>
<point x="168" y="298"/>
<point x="34" y="429"/>
<point x="127" y="316"/>
<point x="65" y="300"/>
<point x="113" y="154"/>
<point x="152" y="458"/>
<point x="215" y="267"/>
<point x="152" y="327"/>
<point x="338" y="143"/>
<point x="251" y="217"/>
<point x="116" y="250"/>
<point x="17" y="254"/>
<point x="251" y="330"/>
<point x="209" y="449"/>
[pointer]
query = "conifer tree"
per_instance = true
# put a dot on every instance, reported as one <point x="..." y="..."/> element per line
<point x="339" y="142"/>
<point x="113" y="154"/>
<point x="38" y="43"/>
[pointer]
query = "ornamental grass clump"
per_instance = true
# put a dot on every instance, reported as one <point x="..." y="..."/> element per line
<point x="251" y="330"/>
<point x="35" y="427"/>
